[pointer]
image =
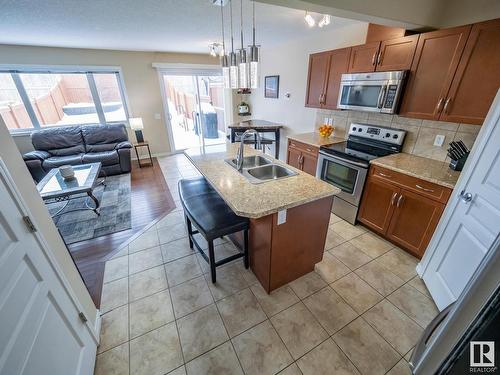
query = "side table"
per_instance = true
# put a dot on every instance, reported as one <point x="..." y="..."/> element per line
<point x="143" y="144"/>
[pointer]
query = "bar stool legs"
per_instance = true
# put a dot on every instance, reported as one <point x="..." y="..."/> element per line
<point x="190" y="231"/>
<point x="211" y="257"/>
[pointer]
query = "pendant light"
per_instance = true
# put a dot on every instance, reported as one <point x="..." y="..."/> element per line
<point x="243" y="63"/>
<point x="223" y="57"/>
<point x="233" y="63"/>
<point x="254" y="55"/>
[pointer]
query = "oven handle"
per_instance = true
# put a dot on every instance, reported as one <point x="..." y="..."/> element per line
<point x="347" y="163"/>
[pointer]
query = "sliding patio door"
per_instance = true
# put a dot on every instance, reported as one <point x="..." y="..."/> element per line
<point x="194" y="103"/>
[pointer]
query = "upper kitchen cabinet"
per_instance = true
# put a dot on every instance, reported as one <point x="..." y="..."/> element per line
<point x="396" y="54"/>
<point x="316" y="80"/>
<point x="363" y="58"/>
<point x="434" y="65"/>
<point x="325" y="71"/>
<point x="477" y="78"/>
<point x="376" y="33"/>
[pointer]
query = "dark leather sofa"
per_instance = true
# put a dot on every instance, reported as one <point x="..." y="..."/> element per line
<point x="80" y="144"/>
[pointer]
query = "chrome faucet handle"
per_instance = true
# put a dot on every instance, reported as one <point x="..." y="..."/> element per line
<point x="239" y="156"/>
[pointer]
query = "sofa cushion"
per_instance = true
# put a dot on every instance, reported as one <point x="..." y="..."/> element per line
<point x="100" y="138"/>
<point x="105" y="157"/>
<point x="57" y="161"/>
<point x="61" y="141"/>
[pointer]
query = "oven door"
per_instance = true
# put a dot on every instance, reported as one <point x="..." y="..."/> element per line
<point x="362" y="95"/>
<point x="344" y="174"/>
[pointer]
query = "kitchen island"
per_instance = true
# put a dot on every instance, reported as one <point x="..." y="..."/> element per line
<point x="289" y="217"/>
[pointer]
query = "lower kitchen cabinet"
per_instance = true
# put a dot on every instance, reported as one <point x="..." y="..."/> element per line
<point x="401" y="208"/>
<point x="302" y="156"/>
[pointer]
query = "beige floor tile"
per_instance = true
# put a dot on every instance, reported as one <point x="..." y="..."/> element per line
<point x="261" y="351"/>
<point x="298" y="329"/>
<point x="293" y="369"/>
<point x="247" y="274"/>
<point x="400" y="263"/>
<point x="334" y="219"/>
<point x="114" y="328"/>
<point x="330" y="268"/>
<point x="172" y="232"/>
<point x="366" y="349"/>
<point x="147" y="282"/>
<point x="379" y="278"/>
<point x="419" y="285"/>
<point x="357" y="293"/>
<point x="178" y="371"/>
<point x="347" y="230"/>
<point x="113" y="362"/>
<point x="330" y="309"/>
<point x="394" y="326"/>
<point x="156" y="352"/>
<point x="183" y="269"/>
<point x="308" y="284"/>
<point x="121" y="253"/>
<point x="172" y="218"/>
<point x="326" y="359"/>
<point x="115" y="269"/>
<point x="190" y="296"/>
<point x="240" y="312"/>
<point x="414" y="304"/>
<point x="150" y="313"/>
<point x="401" y="368"/>
<point x="333" y="239"/>
<point x="175" y="250"/>
<point x="144" y="260"/>
<point x="201" y="331"/>
<point x="278" y="300"/>
<point x="114" y="294"/>
<point x="350" y="255"/>
<point x="144" y="241"/>
<point x="219" y="361"/>
<point x="229" y="281"/>
<point x="371" y="244"/>
<point x="408" y="355"/>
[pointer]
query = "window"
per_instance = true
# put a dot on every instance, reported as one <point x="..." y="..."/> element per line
<point x="38" y="99"/>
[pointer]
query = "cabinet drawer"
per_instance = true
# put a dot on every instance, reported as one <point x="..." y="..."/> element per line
<point x="303" y="147"/>
<point x="417" y="185"/>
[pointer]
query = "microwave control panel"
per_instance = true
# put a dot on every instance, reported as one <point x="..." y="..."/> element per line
<point x="391" y="96"/>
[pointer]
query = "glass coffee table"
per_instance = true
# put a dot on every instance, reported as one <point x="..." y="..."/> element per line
<point x="53" y="188"/>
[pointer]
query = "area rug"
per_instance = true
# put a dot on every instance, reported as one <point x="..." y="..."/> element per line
<point x="85" y="224"/>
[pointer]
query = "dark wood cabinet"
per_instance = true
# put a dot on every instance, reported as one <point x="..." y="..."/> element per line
<point x="477" y="78"/>
<point x="316" y="81"/>
<point x="402" y="208"/>
<point x="434" y="65"/>
<point x="377" y="33"/>
<point x="363" y="58"/>
<point x="338" y="64"/>
<point x="302" y="156"/>
<point x="397" y="54"/>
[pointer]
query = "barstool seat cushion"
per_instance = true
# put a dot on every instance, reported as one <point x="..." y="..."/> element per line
<point x="209" y="213"/>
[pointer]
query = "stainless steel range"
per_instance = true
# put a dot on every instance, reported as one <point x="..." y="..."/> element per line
<point x="345" y="164"/>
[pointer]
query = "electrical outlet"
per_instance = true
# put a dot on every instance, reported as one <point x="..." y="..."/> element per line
<point x="157" y="116"/>
<point x="439" y="140"/>
<point x="281" y="217"/>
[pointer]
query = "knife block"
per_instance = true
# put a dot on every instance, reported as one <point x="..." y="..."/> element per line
<point x="457" y="165"/>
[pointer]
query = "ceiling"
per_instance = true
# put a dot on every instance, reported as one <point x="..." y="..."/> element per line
<point x="148" y="25"/>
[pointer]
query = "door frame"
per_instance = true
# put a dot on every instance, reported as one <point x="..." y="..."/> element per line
<point x="487" y="128"/>
<point x="183" y="69"/>
<point x="47" y="252"/>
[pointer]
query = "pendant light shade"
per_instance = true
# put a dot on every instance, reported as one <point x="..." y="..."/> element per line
<point x="224" y="61"/>
<point x="254" y="68"/>
<point x="233" y="61"/>
<point x="243" y="63"/>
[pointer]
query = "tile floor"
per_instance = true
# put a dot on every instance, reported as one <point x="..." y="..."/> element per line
<point x="360" y="312"/>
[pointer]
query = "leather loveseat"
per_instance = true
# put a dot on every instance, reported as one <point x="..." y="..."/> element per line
<point x="80" y="144"/>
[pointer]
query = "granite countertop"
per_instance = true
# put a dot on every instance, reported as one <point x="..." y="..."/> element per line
<point x="314" y="139"/>
<point x="426" y="169"/>
<point x="254" y="124"/>
<point x="255" y="200"/>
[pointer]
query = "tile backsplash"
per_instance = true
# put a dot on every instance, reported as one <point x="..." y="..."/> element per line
<point x="420" y="134"/>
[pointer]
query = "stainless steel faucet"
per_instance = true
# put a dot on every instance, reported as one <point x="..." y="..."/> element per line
<point x="239" y="156"/>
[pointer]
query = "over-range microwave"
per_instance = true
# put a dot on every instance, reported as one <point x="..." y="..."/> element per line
<point x="372" y="92"/>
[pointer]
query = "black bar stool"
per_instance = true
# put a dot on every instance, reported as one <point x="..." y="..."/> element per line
<point x="212" y="217"/>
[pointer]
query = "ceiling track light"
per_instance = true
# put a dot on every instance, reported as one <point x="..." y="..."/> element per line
<point x="325" y="21"/>
<point x="309" y="19"/>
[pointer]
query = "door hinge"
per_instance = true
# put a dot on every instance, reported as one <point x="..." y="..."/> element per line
<point x="82" y="317"/>
<point x="29" y="224"/>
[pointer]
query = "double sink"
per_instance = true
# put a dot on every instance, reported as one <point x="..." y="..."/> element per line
<point x="258" y="169"/>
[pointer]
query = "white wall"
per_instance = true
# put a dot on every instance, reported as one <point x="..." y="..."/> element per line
<point x="291" y="62"/>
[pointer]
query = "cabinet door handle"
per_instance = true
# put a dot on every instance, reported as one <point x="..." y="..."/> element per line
<point x="379" y="58"/>
<point x="400" y="200"/>
<point x="298" y="159"/>
<point x="393" y="198"/>
<point x="374" y="58"/>
<point x="438" y="106"/>
<point x="445" y="109"/>
<point x="424" y="189"/>
<point x="384" y="175"/>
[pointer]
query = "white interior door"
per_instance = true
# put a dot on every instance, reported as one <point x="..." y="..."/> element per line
<point x="40" y="328"/>
<point x="471" y="221"/>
